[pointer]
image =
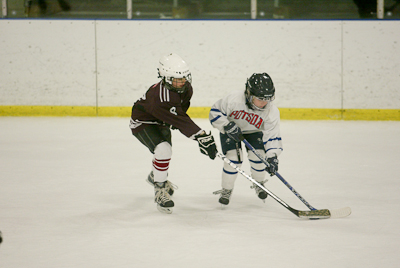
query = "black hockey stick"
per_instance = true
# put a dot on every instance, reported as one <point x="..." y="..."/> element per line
<point x="238" y="152"/>
<point x="311" y="215"/>
<point x="279" y="176"/>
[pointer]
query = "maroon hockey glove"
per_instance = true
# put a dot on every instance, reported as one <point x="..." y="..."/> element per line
<point x="234" y="132"/>
<point x="273" y="165"/>
<point x="207" y="144"/>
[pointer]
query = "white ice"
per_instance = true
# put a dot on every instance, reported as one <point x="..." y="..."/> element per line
<point x="73" y="194"/>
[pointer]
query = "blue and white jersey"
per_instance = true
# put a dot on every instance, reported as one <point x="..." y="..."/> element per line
<point x="233" y="108"/>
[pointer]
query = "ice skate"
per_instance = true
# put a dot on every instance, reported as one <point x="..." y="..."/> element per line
<point x="225" y="196"/>
<point x="162" y="198"/>
<point x="170" y="187"/>
<point x="260" y="192"/>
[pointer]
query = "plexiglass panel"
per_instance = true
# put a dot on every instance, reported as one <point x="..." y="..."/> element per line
<point x="199" y="9"/>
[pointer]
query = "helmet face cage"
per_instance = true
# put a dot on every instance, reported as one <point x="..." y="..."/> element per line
<point x="173" y="67"/>
<point x="259" y="86"/>
<point x="168" y="83"/>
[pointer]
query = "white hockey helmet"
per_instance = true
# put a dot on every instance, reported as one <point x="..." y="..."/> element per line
<point x="173" y="66"/>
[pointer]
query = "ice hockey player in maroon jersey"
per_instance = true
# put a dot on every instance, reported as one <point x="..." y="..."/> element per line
<point x="162" y="108"/>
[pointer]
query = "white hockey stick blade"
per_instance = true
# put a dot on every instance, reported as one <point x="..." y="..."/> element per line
<point x="340" y="213"/>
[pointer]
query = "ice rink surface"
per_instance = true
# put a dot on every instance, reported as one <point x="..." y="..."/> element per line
<point x="73" y="194"/>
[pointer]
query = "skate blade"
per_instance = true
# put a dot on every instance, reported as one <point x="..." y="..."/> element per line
<point x="164" y="210"/>
<point x="223" y="207"/>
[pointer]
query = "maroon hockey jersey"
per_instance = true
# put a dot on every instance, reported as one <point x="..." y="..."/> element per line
<point x="164" y="107"/>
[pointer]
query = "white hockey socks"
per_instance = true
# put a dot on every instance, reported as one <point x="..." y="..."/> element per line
<point x="257" y="167"/>
<point x="161" y="159"/>
<point x="229" y="174"/>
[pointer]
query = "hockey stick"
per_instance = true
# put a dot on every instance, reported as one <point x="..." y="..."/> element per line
<point x="311" y="215"/>
<point x="238" y="152"/>
<point x="279" y="176"/>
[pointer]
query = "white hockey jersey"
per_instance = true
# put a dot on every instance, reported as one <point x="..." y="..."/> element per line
<point x="233" y="108"/>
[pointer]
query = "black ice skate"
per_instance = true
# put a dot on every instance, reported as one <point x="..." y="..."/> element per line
<point x="170" y="187"/>
<point x="162" y="198"/>
<point x="225" y="196"/>
<point x="260" y="192"/>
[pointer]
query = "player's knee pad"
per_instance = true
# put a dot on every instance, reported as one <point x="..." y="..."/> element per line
<point x="232" y="156"/>
<point x="163" y="151"/>
<point x="257" y="166"/>
<point x="229" y="174"/>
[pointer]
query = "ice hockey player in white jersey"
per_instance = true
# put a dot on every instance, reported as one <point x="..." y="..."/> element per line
<point x="249" y="115"/>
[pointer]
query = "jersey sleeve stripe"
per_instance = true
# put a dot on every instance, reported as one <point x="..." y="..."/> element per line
<point x="164" y="94"/>
<point x="217" y="110"/>
<point x="274" y="139"/>
<point x="215" y="119"/>
<point x="161" y="90"/>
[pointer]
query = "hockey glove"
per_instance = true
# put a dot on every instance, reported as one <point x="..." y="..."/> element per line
<point x="207" y="144"/>
<point x="234" y="132"/>
<point x="273" y="165"/>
